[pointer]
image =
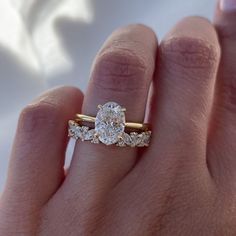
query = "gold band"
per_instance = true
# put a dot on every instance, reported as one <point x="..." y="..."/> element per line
<point x="130" y="125"/>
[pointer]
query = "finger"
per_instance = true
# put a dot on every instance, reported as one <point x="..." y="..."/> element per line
<point x="182" y="99"/>
<point x="122" y="73"/>
<point x="175" y="163"/>
<point x="36" y="166"/>
<point x="222" y="148"/>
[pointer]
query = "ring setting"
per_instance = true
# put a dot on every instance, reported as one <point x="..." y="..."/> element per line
<point x="110" y="125"/>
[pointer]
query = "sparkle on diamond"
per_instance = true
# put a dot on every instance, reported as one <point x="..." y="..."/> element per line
<point x="110" y="123"/>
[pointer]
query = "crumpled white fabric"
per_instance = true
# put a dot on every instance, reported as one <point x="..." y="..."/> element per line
<point x="51" y="42"/>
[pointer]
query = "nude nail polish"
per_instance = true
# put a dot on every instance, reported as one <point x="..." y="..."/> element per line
<point x="228" y="5"/>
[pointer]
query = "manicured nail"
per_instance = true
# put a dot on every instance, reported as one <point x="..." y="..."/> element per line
<point x="228" y="5"/>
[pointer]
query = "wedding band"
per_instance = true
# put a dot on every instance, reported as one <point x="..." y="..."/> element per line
<point x="109" y="128"/>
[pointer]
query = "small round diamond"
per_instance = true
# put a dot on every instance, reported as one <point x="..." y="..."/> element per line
<point x="89" y="134"/>
<point x="146" y="138"/>
<point x="83" y="132"/>
<point x="95" y="138"/>
<point x="73" y="129"/>
<point x="136" y="139"/>
<point x="110" y="123"/>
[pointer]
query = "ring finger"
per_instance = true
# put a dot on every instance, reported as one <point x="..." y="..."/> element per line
<point x="122" y="73"/>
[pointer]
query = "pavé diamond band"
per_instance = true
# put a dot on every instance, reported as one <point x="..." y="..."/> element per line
<point x="110" y="128"/>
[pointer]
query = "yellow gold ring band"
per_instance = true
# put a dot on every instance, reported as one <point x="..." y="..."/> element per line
<point x="129" y="125"/>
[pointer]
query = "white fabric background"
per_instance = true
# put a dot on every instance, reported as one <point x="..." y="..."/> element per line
<point x="44" y="43"/>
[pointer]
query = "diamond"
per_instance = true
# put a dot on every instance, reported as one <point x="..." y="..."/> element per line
<point x="121" y="142"/>
<point x="136" y="139"/>
<point x="144" y="139"/>
<point x="110" y="123"/>
<point x="89" y="134"/>
<point x="82" y="132"/>
<point x="74" y="129"/>
<point x="127" y="139"/>
<point x="95" y="139"/>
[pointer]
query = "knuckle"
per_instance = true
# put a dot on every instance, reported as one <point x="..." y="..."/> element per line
<point x="120" y="70"/>
<point x="190" y="53"/>
<point x="67" y="89"/>
<point x="36" y="116"/>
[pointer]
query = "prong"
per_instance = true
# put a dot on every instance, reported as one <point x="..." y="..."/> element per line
<point x="123" y="109"/>
<point x="71" y="123"/>
<point x="95" y="138"/>
<point x="99" y="106"/>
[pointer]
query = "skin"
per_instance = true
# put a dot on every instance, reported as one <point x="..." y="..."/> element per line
<point x="183" y="184"/>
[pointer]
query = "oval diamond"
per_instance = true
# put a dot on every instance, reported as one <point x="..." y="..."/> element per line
<point x="110" y="123"/>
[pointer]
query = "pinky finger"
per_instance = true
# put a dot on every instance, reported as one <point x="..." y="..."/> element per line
<point x="37" y="160"/>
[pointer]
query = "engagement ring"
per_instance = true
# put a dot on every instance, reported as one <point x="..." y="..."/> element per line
<point x="110" y="128"/>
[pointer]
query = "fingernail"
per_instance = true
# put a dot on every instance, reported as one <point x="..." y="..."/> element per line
<point x="228" y="5"/>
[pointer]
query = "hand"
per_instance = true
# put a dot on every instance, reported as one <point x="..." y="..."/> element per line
<point x="184" y="183"/>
